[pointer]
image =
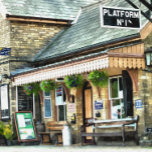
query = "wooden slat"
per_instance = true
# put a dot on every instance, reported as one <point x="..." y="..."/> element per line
<point x="37" y="20"/>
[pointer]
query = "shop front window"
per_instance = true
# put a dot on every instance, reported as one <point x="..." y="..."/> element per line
<point x="60" y="103"/>
<point x="116" y="97"/>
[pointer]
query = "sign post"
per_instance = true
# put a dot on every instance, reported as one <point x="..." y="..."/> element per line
<point x="119" y="17"/>
<point x="25" y="127"/>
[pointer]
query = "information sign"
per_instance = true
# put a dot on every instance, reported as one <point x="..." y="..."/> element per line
<point x="25" y="127"/>
<point x="98" y="105"/>
<point x="138" y="103"/>
<point x="120" y="17"/>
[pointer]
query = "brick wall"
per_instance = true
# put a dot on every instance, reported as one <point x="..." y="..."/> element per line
<point x="29" y="38"/>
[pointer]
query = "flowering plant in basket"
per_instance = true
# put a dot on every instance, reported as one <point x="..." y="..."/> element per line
<point x="28" y="89"/>
<point x="48" y="85"/>
<point x="74" y="81"/>
<point x="98" y="78"/>
<point x="33" y="88"/>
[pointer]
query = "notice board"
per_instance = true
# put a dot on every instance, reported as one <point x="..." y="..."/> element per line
<point x="25" y="127"/>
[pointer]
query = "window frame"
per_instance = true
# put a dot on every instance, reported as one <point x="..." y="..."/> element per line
<point x="110" y="94"/>
<point x="110" y="98"/>
<point x="8" y="99"/>
<point x="63" y="104"/>
<point x="48" y="98"/>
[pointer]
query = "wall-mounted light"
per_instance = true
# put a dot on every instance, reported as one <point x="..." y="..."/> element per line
<point x="148" y="54"/>
<point x="6" y="76"/>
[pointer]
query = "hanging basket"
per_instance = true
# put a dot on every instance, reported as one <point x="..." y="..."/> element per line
<point x="74" y="81"/>
<point x="28" y="89"/>
<point x="48" y="85"/>
<point x="33" y="88"/>
<point x="98" y="78"/>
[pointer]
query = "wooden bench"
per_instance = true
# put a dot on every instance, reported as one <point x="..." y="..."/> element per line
<point x="112" y="128"/>
<point x="55" y="128"/>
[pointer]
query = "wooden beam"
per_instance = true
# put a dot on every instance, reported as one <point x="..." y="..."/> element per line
<point x="125" y="55"/>
<point x="21" y="19"/>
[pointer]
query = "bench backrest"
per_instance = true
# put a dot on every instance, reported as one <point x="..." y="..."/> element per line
<point x="115" y="123"/>
<point x="55" y="126"/>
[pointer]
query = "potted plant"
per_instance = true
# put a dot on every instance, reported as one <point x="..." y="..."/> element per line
<point x="74" y="81"/>
<point x="8" y="133"/>
<point x="2" y="139"/>
<point x="98" y="78"/>
<point x="48" y="85"/>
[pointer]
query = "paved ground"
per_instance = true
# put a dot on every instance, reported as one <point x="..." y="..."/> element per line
<point x="73" y="149"/>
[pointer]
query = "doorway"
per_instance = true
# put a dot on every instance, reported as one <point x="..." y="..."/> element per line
<point x="87" y="107"/>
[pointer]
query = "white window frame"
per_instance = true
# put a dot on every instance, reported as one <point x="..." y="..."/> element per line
<point x="63" y="104"/>
<point x="48" y="98"/>
<point x="109" y="88"/>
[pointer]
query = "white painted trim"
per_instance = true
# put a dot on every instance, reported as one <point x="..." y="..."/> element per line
<point x="34" y="109"/>
<point x="77" y="17"/>
<point x="3" y="10"/>
<point x="16" y="98"/>
<point x="63" y="71"/>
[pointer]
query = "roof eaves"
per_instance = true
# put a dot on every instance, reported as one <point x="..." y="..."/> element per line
<point x="60" y="63"/>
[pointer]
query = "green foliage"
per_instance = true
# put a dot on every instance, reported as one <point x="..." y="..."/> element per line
<point x="1" y="127"/>
<point x="98" y="78"/>
<point x="74" y="81"/>
<point x="32" y="88"/>
<point x="8" y="131"/>
<point x="48" y="85"/>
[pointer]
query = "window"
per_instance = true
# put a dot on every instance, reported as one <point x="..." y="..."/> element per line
<point x="47" y="105"/>
<point x="116" y="97"/>
<point x="60" y="103"/>
<point x="4" y="102"/>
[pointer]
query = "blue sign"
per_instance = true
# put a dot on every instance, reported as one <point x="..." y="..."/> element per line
<point x="5" y="51"/>
<point x="138" y="103"/>
<point x="98" y="105"/>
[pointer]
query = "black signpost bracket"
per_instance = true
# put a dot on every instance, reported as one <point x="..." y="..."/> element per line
<point x="148" y="5"/>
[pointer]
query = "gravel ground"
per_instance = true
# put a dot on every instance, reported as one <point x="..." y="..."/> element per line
<point x="73" y="149"/>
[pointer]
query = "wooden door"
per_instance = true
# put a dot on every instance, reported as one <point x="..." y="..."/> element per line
<point x="88" y="108"/>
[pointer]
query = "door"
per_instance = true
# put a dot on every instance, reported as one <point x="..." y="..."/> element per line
<point x="87" y="107"/>
<point x="128" y="93"/>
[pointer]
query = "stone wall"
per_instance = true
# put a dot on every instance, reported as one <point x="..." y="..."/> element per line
<point x="144" y="93"/>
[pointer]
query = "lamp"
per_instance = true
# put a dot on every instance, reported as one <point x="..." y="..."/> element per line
<point x="148" y="54"/>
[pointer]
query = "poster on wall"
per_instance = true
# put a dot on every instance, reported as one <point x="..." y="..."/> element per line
<point x="138" y="104"/>
<point x="98" y="105"/>
<point x="59" y="96"/>
<point x="71" y="107"/>
<point x="25" y="127"/>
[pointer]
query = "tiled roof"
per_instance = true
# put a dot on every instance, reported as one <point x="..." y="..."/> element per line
<point x="87" y="32"/>
<point x="54" y="9"/>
